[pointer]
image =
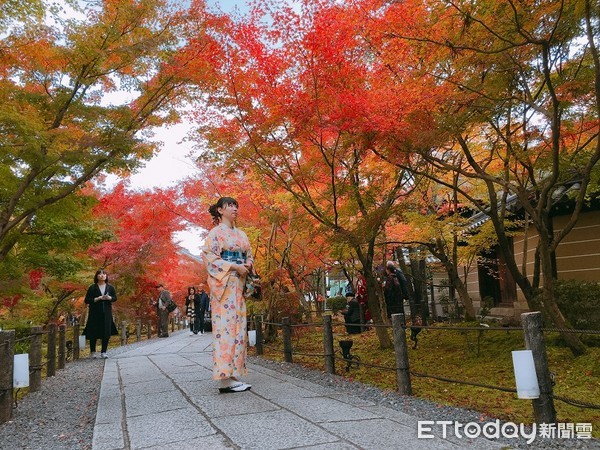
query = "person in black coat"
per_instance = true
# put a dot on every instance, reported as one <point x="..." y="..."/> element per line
<point x="100" y="325"/>
<point x="204" y="306"/>
<point x="352" y="314"/>
<point x="192" y="309"/>
<point x="395" y="289"/>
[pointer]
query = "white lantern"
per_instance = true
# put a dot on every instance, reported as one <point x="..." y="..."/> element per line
<point x="525" y="376"/>
<point x="252" y="338"/>
<point x="82" y="341"/>
<point x="21" y="371"/>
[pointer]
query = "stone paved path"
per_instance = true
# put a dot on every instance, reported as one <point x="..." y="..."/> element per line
<point x="161" y="396"/>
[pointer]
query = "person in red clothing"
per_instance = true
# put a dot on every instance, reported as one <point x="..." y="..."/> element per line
<point x="361" y="297"/>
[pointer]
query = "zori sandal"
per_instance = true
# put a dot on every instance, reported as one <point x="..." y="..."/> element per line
<point x="236" y="387"/>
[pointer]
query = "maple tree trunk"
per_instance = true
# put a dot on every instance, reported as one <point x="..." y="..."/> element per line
<point x="461" y="289"/>
<point x="453" y="276"/>
<point x="546" y="302"/>
<point x="373" y="302"/>
<point x="366" y="259"/>
<point x="550" y="308"/>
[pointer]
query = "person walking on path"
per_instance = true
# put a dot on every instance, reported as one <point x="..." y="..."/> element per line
<point x="228" y="258"/>
<point x="164" y="298"/>
<point x="204" y="306"/>
<point x="192" y="309"/>
<point x="100" y="324"/>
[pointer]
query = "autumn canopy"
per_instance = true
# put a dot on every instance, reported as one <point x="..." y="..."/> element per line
<point x="350" y="133"/>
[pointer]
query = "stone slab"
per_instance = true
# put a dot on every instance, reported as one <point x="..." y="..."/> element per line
<point x="136" y="387"/>
<point x="139" y="405"/>
<point x="233" y="404"/>
<point x="324" y="409"/>
<point x="215" y="442"/>
<point x="167" y="428"/>
<point x="110" y="410"/>
<point x="272" y="430"/>
<point x="274" y="389"/>
<point x="108" y="436"/>
<point x="383" y="433"/>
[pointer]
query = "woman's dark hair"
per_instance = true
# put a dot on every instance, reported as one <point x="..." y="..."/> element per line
<point x="214" y="209"/>
<point x="98" y="272"/>
<point x="190" y="290"/>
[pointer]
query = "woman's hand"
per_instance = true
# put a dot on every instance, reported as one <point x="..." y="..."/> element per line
<point x="241" y="269"/>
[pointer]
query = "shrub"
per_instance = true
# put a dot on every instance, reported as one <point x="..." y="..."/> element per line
<point x="578" y="301"/>
<point x="336" y="304"/>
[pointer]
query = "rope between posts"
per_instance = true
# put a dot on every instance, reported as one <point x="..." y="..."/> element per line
<point x="280" y="349"/>
<point x="353" y="361"/>
<point x="442" y="328"/>
<point x="469" y="383"/>
<point x="578" y="403"/>
<point x="320" y="355"/>
<point x="570" y="330"/>
<point x="366" y="325"/>
<point x="429" y="327"/>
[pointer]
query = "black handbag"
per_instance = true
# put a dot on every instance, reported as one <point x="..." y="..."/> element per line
<point x="252" y="287"/>
<point x="171" y="306"/>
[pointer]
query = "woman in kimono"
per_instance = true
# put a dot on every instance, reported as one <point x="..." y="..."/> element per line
<point x="228" y="259"/>
<point x="100" y="325"/>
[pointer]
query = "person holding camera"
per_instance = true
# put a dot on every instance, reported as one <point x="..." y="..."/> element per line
<point x="164" y="305"/>
<point x="100" y="324"/>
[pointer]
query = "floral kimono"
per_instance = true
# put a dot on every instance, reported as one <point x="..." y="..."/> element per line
<point x="227" y="302"/>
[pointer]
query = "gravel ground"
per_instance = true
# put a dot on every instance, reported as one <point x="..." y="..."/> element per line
<point x="61" y="415"/>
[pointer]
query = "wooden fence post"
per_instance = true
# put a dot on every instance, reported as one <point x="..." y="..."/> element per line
<point x="149" y="329"/>
<point x="62" y="346"/>
<point x="543" y="407"/>
<point x="287" y="340"/>
<point x="259" y="335"/>
<point x="361" y="310"/>
<point x="7" y="355"/>
<point x="328" y="344"/>
<point x="138" y="331"/>
<point x="401" y="352"/>
<point x="172" y="324"/>
<point x="35" y="359"/>
<point x="123" y="333"/>
<point x="51" y="353"/>
<point x="76" y="348"/>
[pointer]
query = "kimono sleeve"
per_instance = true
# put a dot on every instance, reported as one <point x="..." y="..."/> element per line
<point x="211" y="254"/>
<point x="248" y="250"/>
